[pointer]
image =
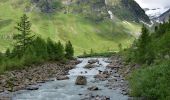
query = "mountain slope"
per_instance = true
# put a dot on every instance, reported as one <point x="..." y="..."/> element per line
<point x="85" y="33"/>
<point x="155" y="12"/>
<point x="164" y="17"/>
<point x="129" y="10"/>
<point x="122" y="9"/>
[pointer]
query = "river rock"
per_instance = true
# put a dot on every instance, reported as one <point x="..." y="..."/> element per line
<point x="93" y="88"/>
<point x="32" y="88"/>
<point x="92" y="61"/>
<point x="62" y="78"/>
<point x="102" y="77"/>
<point x="88" y="66"/>
<point x="81" y="80"/>
<point x="112" y="66"/>
<point x="106" y="72"/>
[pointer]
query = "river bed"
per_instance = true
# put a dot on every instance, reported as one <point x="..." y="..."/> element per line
<point x="67" y="90"/>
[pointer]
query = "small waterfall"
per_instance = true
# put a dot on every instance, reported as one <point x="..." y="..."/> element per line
<point x="111" y="14"/>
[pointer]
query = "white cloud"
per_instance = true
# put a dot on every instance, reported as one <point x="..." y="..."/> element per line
<point x="153" y="3"/>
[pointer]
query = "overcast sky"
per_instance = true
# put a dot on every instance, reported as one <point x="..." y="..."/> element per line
<point x="153" y="3"/>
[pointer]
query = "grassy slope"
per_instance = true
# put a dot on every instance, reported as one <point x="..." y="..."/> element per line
<point x="83" y="33"/>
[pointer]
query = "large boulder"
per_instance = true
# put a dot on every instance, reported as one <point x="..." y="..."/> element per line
<point x="81" y="80"/>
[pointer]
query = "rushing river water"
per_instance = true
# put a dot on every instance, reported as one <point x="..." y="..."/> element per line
<point x="67" y="90"/>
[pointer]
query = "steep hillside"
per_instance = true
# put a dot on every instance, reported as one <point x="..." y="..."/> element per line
<point x="122" y="9"/>
<point x="54" y="22"/>
<point x="128" y="10"/>
<point x="164" y="17"/>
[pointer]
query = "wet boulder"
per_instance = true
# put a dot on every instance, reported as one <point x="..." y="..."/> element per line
<point x="81" y="80"/>
<point x="93" y="88"/>
<point x="113" y="66"/>
<point x="88" y="66"/>
<point x="32" y="88"/>
<point x="62" y="77"/>
<point x="101" y="77"/>
<point x="92" y="61"/>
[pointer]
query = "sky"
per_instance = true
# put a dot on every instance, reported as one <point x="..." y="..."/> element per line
<point x="153" y="3"/>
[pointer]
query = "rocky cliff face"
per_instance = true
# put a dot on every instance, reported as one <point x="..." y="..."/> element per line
<point x="47" y="6"/>
<point x="136" y="11"/>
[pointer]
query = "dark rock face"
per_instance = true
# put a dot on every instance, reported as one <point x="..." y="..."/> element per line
<point x="81" y="80"/>
<point x="129" y="10"/>
<point x="137" y="12"/>
<point x="47" y="6"/>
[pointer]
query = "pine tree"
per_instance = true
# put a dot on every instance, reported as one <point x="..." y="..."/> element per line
<point x="29" y="56"/>
<point x="1" y="57"/>
<point x="91" y="51"/>
<point x="69" y="50"/>
<point x="24" y="38"/>
<point x="120" y="47"/>
<point x="51" y="49"/>
<point x="40" y="48"/>
<point x="60" y="51"/>
<point x="84" y="53"/>
<point x="7" y="53"/>
<point x="142" y="45"/>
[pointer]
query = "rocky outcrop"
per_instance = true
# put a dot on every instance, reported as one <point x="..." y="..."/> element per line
<point x="81" y="80"/>
<point x="47" y="6"/>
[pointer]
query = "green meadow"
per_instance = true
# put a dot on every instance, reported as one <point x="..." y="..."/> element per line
<point x="84" y="34"/>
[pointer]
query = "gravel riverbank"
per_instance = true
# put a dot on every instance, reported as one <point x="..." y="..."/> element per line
<point x="29" y="77"/>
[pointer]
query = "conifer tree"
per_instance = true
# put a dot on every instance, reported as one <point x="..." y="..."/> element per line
<point x="60" y="51"/>
<point x="142" y="45"/>
<point x="24" y="38"/>
<point x="40" y="47"/>
<point x="1" y="56"/>
<point x="69" y="50"/>
<point x="91" y="51"/>
<point x="84" y="53"/>
<point x="7" y="53"/>
<point x="51" y="49"/>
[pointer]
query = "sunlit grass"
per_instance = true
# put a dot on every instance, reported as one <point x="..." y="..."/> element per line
<point x="83" y="33"/>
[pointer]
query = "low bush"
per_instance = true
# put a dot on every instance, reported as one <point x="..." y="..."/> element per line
<point x="151" y="82"/>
